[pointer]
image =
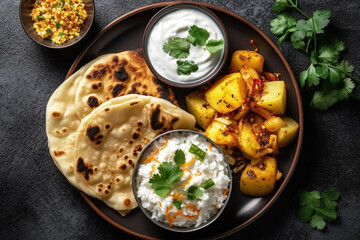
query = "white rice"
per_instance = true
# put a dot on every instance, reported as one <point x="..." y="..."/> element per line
<point x="213" y="167"/>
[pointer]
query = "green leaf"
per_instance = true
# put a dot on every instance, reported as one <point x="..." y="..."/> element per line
<point x="313" y="57"/>
<point x="177" y="47"/>
<point x="313" y="77"/>
<point x="208" y="184"/>
<point x="317" y="222"/>
<point x="186" y="67"/>
<point x="345" y="66"/>
<point x="321" y="20"/>
<point x="330" y="52"/>
<point x="303" y="76"/>
<point x="327" y="95"/>
<point x="305" y="26"/>
<point x="177" y="203"/>
<point x="335" y="75"/>
<point x="305" y="213"/>
<point x="179" y="157"/>
<point x="297" y="40"/>
<point x="283" y="37"/>
<point x="164" y="181"/>
<point x="283" y="22"/>
<point x="48" y="30"/>
<point x="61" y="34"/>
<point x="191" y="40"/>
<point x="57" y="25"/>
<point x="200" y="35"/>
<point x="198" y="152"/>
<point x="194" y="193"/>
<point x="327" y="214"/>
<point x="322" y="72"/>
<point x="214" y="45"/>
<point x="330" y="194"/>
<point x="41" y="17"/>
<point x="280" y="5"/>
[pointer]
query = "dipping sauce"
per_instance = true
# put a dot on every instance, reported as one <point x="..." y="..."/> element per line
<point x="203" y="172"/>
<point x="176" y="24"/>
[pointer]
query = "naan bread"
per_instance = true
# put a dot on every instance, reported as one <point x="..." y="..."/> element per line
<point x="116" y="75"/>
<point x="62" y="123"/>
<point x="110" y="139"/>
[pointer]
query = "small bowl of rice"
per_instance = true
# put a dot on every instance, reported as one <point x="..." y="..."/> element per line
<point x="182" y="181"/>
<point x="56" y="23"/>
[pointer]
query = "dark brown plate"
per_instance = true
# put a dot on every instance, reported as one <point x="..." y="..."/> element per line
<point x="126" y="33"/>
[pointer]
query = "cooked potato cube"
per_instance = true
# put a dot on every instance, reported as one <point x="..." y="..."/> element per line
<point x="227" y="94"/>
<point x="287" y="133"/>
<point x="220" y="133"/>
<point x="274" y="123"/>
<point x="248" y="142"/>
<point x="274" y="97"/>
<point x="200" y="108"/>
<point x="250" y="58"/>
<point x="259" y="179"/>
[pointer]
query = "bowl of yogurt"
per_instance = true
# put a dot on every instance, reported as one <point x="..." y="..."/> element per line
<point x="185" y="45"/>
<point x="182" y="181"/>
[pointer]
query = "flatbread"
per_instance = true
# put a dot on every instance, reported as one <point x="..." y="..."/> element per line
<point x="110" y="139"/>
<point x="62" y="123"/>
<point x="116" y="75"/>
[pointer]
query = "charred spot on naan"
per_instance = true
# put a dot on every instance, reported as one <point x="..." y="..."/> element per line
<point x="56" y="114"/>
<point x="93" y="102"/>
<point x="93" y="133"/>
<point x="98" y="72"/>
<point x="121" y="74"/>
<point x="117" y="89"/>
<point x="58" y="153"/>
<point x="84" y="169"/>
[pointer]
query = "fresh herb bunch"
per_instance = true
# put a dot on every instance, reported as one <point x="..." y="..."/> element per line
<point x="179" y="48"/>
<point x="317" y="207"/>
<point x="328" y="73"/>
<point x="169" y="174"/>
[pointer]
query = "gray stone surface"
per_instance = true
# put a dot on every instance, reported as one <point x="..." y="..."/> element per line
<point x="38" y="203"/>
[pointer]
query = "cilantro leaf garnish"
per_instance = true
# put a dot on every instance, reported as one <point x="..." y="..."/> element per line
<point x="208" y="184"/>
<point x="41" y="17"/>
<point x="48" y="30"/>
<point x="57" y="25"/>
<point x="198" y="35"/>
<point x="179" y="157"/>
<point x="163" y="182"/>
<point x="198" y="152"/>
<point x="327" y="73"/>
<point x="177" y="203"/>
<point x="214" y="45"/>
<point x="186" y="67"/>
<point x="316" y="207"/>
<point x="177" y="47"/>
<point x="194" y="193"/>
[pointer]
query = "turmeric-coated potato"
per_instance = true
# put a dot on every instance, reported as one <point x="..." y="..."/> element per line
<point x="250" y="58"/>
<point x="220" y="133"/>
<point x="287" y="133"/>
<point x="227" y="94"/>
<point x="274" y="123"/>
<point x="259" y="179"/>
<point x="273" y="97"/>
<point x="200" y="108"/>
<point x="248" y="142"/>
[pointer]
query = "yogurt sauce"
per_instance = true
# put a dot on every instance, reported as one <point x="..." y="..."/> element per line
<point x="177" y="24"/>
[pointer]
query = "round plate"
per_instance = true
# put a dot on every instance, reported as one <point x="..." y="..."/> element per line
<point x="126" y="33"/>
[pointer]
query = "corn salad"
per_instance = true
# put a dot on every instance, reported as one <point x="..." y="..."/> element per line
<point x="58" y="20"/>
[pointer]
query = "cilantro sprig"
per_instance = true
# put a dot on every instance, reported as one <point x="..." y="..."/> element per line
<point x="316" y="207"/>
<point x="168" y="175"/>
<point x="328" y="74"/>
<point x="179" y="48"/>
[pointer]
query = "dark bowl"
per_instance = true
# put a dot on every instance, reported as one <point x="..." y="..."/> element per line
<point x="196" y="82"/>
<point x="148" y="214"/>
<point x="26" y="21"/>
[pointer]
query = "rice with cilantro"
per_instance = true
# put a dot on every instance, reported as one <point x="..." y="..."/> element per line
<point x="183" y="180"/>
<point x="58" y="20"/>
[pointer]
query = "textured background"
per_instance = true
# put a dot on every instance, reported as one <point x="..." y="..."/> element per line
<point x="38" y="203"/>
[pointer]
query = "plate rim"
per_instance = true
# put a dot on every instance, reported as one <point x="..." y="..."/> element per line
<point x="292" y="78"/>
